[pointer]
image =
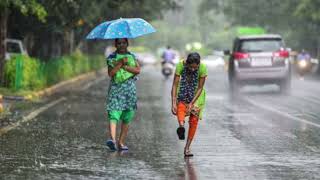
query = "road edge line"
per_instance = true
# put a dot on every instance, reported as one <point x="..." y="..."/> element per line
<point x="280" y="113"/>
<point x="30" y="116"/>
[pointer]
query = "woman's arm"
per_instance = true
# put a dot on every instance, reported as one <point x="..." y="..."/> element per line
<point x="115" y="69"/>
<point x="199" y="90"/>
<point x="174" y="93"/>
<point x="133" y="70"/>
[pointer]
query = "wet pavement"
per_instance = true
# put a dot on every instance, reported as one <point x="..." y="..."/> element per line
<point x="260" y="134"/>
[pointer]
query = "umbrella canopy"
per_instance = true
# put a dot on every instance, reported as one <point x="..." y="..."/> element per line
<point x="121" y="28"/>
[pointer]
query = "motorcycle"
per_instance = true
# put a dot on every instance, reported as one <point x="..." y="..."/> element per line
<point x="303" y="67"/>
<point x="167" y="69"/>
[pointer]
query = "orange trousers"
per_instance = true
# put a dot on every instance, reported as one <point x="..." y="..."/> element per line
<point x="193" y="120"/>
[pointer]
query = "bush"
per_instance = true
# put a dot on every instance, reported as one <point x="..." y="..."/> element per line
<point x="58" y="69"/>
<point x="25" y="73"/>
<point x="79" y="62"/>
<point x="97" y="62"/>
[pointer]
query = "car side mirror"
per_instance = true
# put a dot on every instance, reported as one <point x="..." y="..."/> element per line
<point x="227" y="52"/>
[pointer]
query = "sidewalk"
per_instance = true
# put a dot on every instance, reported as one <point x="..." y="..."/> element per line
<point x="15" y="107"/>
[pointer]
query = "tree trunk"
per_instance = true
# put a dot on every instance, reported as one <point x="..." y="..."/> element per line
<point x="72" y="41"/>
<point x="68" y="41"/>
<point x="3" y="36"/>
<point x="29" y="41"/>
<point x="56" y="46"/>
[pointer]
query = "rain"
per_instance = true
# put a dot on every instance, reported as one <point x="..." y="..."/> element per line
<point x="261" y="116"/>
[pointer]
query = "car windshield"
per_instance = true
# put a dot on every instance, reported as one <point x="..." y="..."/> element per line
<point x="263" y="45"/>
<point x="13" y="48"/>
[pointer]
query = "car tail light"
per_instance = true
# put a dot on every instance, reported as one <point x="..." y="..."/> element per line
<point x="280" y="58"/>
<point x="281" y="54"/>
<point x="239" y="55"/>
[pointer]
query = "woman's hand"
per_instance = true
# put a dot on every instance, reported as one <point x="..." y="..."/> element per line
<point x="117" y="65"/>
<point x="189" y="107"/>
<point x="125" y="67"/>
<point x="124" y="61"/>
<point x="174" y="108"/>
<point x="134" y="70"/>
<point x="174" y="94"/>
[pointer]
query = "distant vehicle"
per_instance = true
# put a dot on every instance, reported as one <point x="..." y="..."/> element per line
<point x="259" y="59"/>
<point x="177" y="57"/>
<point x="303" y="66"/>
<point x="218" y="53"/>
<point x="314" y="61"/>
<point x="167" y="69"/>
<point x="14" y="46"/>
<point x="303" y="63"/>
<point x="146" y="58"/>
<point x="168" y="55"/>
<point x="214" y="60"/>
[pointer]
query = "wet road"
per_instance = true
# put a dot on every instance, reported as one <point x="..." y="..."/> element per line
<point x="259" y="135"/>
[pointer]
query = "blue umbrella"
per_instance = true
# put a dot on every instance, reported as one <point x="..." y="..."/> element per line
<point x="121" y="28"/>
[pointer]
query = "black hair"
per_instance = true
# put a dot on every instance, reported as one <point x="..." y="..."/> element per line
<point x="117" y="39"/>
<point x="193" y="57"/>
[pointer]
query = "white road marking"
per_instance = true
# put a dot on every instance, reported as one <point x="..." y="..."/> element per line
<point x="87" y="86"/>
<point x="268" y="108"/>
<point x="30" y="116"/>
<point x="218" y="97"/>
<point x="309" y="98"/>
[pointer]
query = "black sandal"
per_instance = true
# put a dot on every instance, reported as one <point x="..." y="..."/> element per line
<point x="187" y="154"/>
<point x="180" y="132"/>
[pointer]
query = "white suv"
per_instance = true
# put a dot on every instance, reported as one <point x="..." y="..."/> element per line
<point x="259" y="59"/>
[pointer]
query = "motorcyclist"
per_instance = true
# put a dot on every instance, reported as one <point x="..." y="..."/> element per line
<point x="168" y="56"/>
<point x="167" y="63"/>
<point x="303" y="63"/>
<point x="303" y="55"/>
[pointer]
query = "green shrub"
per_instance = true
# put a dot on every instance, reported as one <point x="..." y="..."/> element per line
<point x="34" y="75"/>
<point x="97" y="62"/>
<point x="57" y="70"/>
<point x="29" y="76"/>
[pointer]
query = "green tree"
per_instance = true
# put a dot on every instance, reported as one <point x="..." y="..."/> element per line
<point x="68" y="22"/>
<point x="26" y="7"/>
<point x="291" y="18"/>
<point x="308" y="10"/>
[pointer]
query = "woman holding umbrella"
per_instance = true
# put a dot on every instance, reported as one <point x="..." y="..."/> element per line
<point x="122" y="69"/>
<point x="122" y="97"/>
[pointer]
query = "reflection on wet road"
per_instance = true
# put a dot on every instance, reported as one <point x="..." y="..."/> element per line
<point x="260" y="134"/>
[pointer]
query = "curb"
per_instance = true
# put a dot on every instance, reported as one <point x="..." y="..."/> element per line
<point x="51" y="90"/>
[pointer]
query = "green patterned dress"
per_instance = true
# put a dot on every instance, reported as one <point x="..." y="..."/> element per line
<point x="121" y="96"/>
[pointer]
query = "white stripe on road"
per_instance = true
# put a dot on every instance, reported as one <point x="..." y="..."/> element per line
<point x="266" y="107"/>
<point x="309" y="98"/>
<point x="30" y="116"/>
<point x="87" y="86"/>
